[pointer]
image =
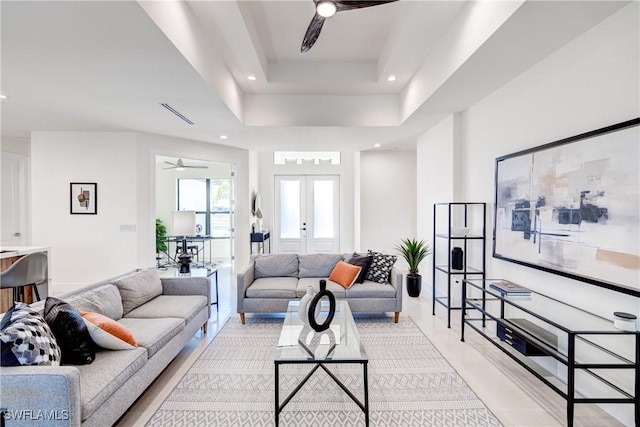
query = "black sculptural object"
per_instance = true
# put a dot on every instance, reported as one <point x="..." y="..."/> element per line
<point x="315" y="301"/>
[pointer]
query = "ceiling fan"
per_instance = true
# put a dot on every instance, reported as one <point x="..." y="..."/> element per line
<point x="326" y="9"/>
<point x="179" y="165"/>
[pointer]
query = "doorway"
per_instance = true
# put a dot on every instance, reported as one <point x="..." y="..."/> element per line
<point x="208" y="188"/>
<point x="307" y="212"/>
<point x="15" y="189"/>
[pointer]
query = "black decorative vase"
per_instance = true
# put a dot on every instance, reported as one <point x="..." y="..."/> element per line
<point x="414" y="285"/>
<point x="315" y="301"/>
<point x="457" y="256"/>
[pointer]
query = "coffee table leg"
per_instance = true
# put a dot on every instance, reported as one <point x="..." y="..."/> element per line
<point x="366" y="394"/>
<point x="277" y="394"/>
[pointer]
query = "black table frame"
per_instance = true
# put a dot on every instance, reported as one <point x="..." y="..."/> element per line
<point x="321" y="364"/>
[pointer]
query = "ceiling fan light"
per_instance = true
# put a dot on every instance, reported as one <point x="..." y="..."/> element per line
<point x="179" y="168"/>
<point x="326" y="8"/>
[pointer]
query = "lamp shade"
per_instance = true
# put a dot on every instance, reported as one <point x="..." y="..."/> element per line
<point x="184" y="223"/>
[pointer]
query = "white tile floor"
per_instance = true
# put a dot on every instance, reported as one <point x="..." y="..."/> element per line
<point x="516" y="397"/>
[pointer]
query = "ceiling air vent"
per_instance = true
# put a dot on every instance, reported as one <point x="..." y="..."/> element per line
<point x="176" y="112"/>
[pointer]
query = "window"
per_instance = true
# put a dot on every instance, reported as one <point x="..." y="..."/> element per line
<point x="306" y="157"/>
<point x="211" y="199"/>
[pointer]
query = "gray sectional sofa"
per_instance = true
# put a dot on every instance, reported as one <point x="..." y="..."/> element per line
<point x="269" y="282"/>
<point x="162" y="313"/>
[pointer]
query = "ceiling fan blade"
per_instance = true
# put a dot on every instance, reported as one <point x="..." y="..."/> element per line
<point x="313" y="31"/>
<point x="356" y="4"/>
<point x="169" y="168"/>
<point x="169" y="163"/>
<point x="196" y="167"/>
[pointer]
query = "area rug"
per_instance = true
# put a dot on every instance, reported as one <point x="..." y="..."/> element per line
<point x="410" y="383"/>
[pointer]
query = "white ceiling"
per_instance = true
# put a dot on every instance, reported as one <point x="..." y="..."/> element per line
<point x="107" y="65"/>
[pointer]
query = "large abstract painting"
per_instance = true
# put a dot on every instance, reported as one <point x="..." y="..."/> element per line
<point x="572" y="207"/>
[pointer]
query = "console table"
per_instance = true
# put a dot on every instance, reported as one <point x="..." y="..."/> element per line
<point x="572" y="351"/>
<point x="260" y="237"/>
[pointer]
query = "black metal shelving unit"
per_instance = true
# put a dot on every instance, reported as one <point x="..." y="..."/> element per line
<point x="458" y="214"/>
<point x="565" y="347"/>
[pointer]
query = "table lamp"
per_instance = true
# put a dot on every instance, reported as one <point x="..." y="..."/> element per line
<point x="184" y="224"/>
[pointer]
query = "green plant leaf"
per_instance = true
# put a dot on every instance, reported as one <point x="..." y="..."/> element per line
<point x="413" y="252"/>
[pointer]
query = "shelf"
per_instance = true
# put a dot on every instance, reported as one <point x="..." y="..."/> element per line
<point x="580" y="355"/>
<point x="452" y="237"/>
<point x="469" y="270"/>
<point x="460" y="217"/>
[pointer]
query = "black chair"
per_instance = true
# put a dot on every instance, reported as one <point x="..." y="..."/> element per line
<point x="30" y="270"/>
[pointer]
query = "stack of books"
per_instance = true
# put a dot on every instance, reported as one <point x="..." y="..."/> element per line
<point x="509" y="289"/>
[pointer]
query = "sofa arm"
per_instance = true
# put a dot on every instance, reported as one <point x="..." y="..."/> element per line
<point x="40" y="395"/>
<point x="245" y="278"/>
<point x="187" y="286"/>
<point x="395" y="279"/>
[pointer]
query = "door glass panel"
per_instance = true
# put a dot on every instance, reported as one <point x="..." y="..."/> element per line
<point x="323" y="227"/>
<point x="289" y="209"/>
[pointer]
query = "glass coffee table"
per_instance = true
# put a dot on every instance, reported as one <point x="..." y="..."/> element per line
<point x="299" y="344"/>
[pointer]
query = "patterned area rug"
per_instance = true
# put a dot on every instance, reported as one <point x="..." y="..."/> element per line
<point x="410" y="383"/>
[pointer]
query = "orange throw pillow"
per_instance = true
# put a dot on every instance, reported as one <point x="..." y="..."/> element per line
<point x="107" y="333"/>
<point x="345" y="274"/>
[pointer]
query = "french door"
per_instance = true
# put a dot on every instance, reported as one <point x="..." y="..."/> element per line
<point x="307" y="214"/>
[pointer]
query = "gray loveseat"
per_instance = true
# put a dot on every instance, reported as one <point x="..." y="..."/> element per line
<point x="269" y="282"/>
<point x="162" y="313"/>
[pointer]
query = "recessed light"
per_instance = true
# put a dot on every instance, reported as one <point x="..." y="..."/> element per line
<point x="3" y="96"/>
<point x="391" y="78"/>
<point x="251" y="77"/>
<point x="376" y="145"/>
<point x="223" y="137"/>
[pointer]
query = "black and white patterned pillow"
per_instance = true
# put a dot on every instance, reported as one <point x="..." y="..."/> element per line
<point x="380" y="267"/>
<point x="26" y="338"/>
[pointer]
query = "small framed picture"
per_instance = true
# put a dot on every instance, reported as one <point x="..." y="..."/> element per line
<point x="84" y="198"/>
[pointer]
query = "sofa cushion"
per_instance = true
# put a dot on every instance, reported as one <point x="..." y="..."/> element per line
<point x="138" y="288"/>
<point x="105" y="300"/>
<point x="154" y="333"/>
<point x="317" y="265"/>
<point x="361" y="261"/>
<point x="72" y="335"/>
<point x="27" y="339"/>
<point x="337" y="290"/>
<point x="100" y="380"/>
<point x="380" y="267"/>
<point x="108" y="333"/>
<point x="370" y="289"/>
<point x="273" y="287"/>
<point x="181" y="306"/>
<point x="345" y="274"/>
<point x="277" y="265"/>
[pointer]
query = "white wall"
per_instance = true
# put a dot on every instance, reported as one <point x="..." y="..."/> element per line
<point x="15" y="146"/>
<point x="84" y="248"/>
<point x="590" y="83"/>
<point x="388" y="200"/>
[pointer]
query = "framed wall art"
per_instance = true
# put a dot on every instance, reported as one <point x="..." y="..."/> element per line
<point x="84" y="198"/>
<point x="572" y="207"/>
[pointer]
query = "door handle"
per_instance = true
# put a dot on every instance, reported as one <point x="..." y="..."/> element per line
<point x="17" y="234"/>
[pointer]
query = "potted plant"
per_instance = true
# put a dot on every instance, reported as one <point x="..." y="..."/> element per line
<point x="414" y="251"/>
<point x="161" y="235"/>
